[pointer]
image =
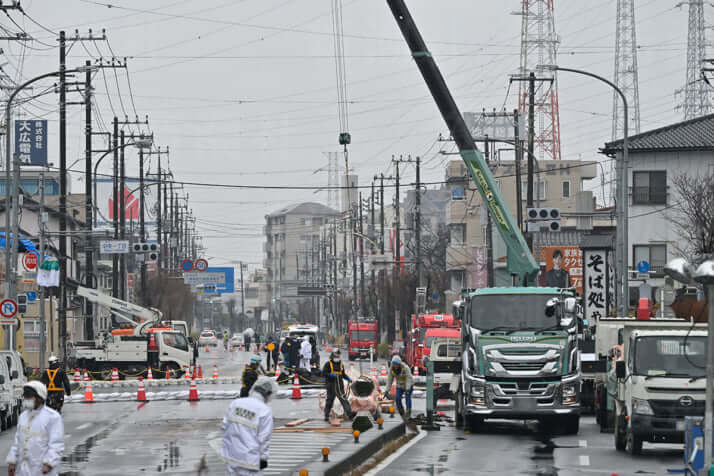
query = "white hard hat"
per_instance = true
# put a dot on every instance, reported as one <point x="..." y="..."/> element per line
<point x="306" y="338"/>
<point x="38" y="387"/>
<point x="52" y="358"/>
<point x="266" y="387"/>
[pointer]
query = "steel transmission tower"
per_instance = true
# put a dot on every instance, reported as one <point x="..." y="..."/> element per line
<point x="625" y="78"/>
<point x="697" y="101"/>
<point x="538" y="53"/>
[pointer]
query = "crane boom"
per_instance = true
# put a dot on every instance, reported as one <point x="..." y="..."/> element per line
<point x="117" y="306"/>
<point x="520" y="259"/>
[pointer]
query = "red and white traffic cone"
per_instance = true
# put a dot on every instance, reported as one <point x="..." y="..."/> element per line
<point x="297" y="394"/>
<point x="416" y="370"/>
<point x="215" y="372"/>
<point x="200" y="372"/>
<point x="207" y="349"/>
<point x="187" y="373"/>
<point x="193" y="392"/>
<point x="277" y="371"/>
<point x="141" y="393"/>
<point x="383" y="373"/>
<point x="168" y="373"/>
<point x="115" y="374"/>
<point x="77" y="376"/>
<point x="149" y="375"/>
<point x="86" y="376"/>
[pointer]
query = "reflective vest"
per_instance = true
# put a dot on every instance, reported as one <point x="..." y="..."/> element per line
<point x="51" y="374"/>
<point x="338" y="372"/>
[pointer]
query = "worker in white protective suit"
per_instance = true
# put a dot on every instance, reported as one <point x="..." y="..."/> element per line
<point x="39" y="440"/>
<point x="305" y="353"/>
<point x="247" y="428"/>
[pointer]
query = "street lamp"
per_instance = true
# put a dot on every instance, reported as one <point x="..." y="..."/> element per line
<point x="622" y="200"/>
<point x="680" y="270"/>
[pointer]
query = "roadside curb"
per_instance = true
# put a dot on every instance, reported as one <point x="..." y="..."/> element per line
<point x="345" y="458"/>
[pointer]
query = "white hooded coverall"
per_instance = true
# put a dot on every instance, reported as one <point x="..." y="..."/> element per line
<point x="39" y="440"/>
<point x="305" y="354"/>
<point x="247" y="428"/>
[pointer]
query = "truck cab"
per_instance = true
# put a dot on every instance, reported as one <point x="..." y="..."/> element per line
<point x="362" y="337"/>
<point x="660" y="381"/>
<point x="520" y="357"/>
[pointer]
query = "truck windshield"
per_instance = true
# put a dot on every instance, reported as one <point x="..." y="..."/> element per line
<point x="362" y="336"/>
<point x="670" y="355"/>
<point x="510" y="311"/>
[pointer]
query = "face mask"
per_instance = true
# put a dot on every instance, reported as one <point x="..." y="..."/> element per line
<point x="28" y="404"/>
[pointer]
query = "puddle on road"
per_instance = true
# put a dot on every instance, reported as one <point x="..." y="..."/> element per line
<point x="171" y="458"/>
<point x="81" y="452"/>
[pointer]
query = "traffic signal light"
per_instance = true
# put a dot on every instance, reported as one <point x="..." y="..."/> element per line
<point x="21" y="303"/>
<point x="544" y="218"/>
<point x="151" y="250"/>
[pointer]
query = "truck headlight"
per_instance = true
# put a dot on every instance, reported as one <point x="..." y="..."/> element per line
<point x="641" y="407"/>
<point x="477" y="395"/>
<point x="569" y="393"/>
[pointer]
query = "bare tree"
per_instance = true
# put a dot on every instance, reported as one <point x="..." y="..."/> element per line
<point x="693" y="215"/>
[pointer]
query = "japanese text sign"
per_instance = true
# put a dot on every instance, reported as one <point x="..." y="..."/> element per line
<point x="31" y="141"/>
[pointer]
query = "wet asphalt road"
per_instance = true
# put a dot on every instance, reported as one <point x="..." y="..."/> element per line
<point x="521" y="448"/>
<point x="170" y="437"/>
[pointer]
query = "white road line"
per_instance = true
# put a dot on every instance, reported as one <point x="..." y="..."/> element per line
<point x="391" y="458"/>
<point x="84" y="426"/>
<point x="584" y="460"/>
<point x="583" y="443"/>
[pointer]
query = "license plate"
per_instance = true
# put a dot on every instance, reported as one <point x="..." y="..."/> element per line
<point x="525" y="404"/>
<point x="679" y="426"/>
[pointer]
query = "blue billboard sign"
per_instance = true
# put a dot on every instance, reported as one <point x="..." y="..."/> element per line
<point x="31" y="141"/>
<point x="222" y="286"/>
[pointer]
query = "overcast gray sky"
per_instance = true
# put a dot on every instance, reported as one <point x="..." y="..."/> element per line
<point x="243" y="91"/>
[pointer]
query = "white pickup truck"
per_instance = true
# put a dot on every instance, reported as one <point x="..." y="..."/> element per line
<point x="660" y="380"/>
<point x="131" y="350"/>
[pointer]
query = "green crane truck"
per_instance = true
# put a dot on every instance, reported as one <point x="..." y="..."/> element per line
<point x="520" y="353"/>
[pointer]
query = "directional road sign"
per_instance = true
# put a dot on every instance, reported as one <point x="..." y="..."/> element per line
<point x="111" y="247"/>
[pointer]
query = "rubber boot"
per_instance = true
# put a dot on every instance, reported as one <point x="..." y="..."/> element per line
<point x="408" y="415"/>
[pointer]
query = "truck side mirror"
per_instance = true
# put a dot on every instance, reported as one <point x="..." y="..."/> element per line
<point x="2" y="379"/>
<point x="13" y="374"/>
<point x="620" y="371"/>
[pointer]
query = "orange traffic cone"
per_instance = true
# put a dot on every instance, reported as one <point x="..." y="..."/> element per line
<point x="200" y="372"/>
<point x="215" y="372"/>
<point x="416" y="370"/>
<point x="141" y="393"/>
<point x="149" y="375"/>
<point x="77" y="377"/>
<point x="207" y="349"/>
<point x="231" y="349"/>
<point x="193" y="392"/>
<point x="277" y="371"/>
<point x="297" y="394"/>
<point x="88" y="394"/>
<point x="383" y="373"/>
<point x="327" y="349"/>
<point x="187" y="373"/>
<point x="115" y="374"/>
<point x="168" y="373"/>
<point x="86" y="376"/>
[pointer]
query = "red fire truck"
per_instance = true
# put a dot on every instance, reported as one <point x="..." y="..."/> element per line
<point x="424" y="329"/>
<point x="362" y="335"/>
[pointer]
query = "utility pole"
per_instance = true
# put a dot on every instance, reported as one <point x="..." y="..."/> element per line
<point x="519" y="157"/>
<point x="363" y="299"/>
<point x="489" y="230"/>
<point x="115" y="206"/>
<point x="122" y="215"/>
<point x="242" y="291"/>
<point x="142" y="226"/>
<point x="43" y="324"/>
<point x="62" y="308"/>
<point x="89" y="251"/>
<point x="398" y="256"/>
<point x="353" y="232"/>
<point x="372" y="247"/>
<point x="159" y="221"/>
<point x="531" y="141"/>
<point x="417" y="224"/>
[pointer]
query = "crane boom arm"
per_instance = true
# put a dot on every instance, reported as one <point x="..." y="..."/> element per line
<point x="520" y="259"/>
<point x="117" y="305"/>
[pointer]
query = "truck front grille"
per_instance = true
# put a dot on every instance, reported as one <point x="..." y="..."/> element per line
<point x="522" y="366"/>
<point x="673" y="408"/>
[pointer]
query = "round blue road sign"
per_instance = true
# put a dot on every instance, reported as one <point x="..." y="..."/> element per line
<point x="643" y="267"/>
<point x="187" y="265"/>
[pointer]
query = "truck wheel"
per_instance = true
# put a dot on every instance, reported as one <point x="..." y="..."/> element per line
<point x="3" y="421"/>
<point x="633" y="443"/>
<point x="458" y="409"/>
<point x="620" y="436"/>
<point x="570" y="424"/>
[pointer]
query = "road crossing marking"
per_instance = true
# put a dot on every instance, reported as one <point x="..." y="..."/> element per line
<point x="584" y="460"/>
<point x="84" y="426"/>
<point x="583" y="443"/>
